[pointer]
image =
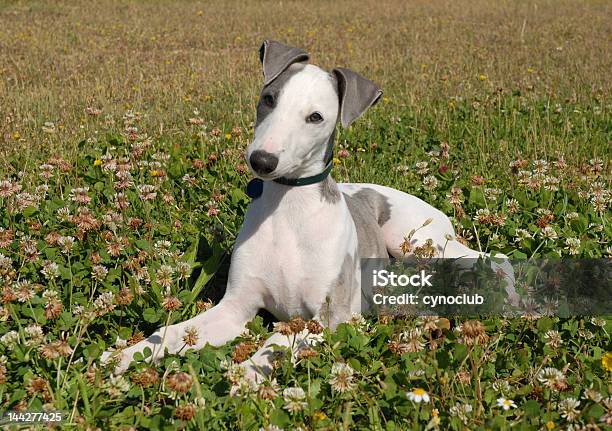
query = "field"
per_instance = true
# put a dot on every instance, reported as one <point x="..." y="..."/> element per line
<point x="122" y="132"/>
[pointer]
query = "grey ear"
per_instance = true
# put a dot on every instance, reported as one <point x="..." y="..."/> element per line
<point x="276" y="57"/>
<point x="356" y="93"/>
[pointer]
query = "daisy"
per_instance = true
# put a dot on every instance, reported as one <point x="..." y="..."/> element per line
<point x="505" y="403"/>
<point x="417" y="395"/>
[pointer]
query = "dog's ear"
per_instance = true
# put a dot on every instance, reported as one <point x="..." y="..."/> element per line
<point x="276" y="58"/>
<point x="356" y="94"/>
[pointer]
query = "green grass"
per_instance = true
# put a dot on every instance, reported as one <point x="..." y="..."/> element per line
<point x="497" y="84"/>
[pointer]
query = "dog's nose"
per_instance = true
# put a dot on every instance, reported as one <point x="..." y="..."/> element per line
<point x="263" y="162"/>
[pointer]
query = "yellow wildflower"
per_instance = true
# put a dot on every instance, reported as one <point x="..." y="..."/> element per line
<point x="319" y="416"/>
<point x="606" y="361"/>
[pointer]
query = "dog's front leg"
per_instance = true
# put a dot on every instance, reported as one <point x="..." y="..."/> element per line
<point x="260" y="365"/>
<point x="217" y="326"/>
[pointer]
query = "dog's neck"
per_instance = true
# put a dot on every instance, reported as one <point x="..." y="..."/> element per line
<point x="301" y="197"/>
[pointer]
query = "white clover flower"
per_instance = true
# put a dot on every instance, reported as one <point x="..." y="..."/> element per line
<point x="80" y="195"/>
<point x="50" y="270"/>
<point x="116" y="385"/>
<point x="99" y="272"/>
<point x="10" y="339"/>
<point x="341" y="377"/>
<point x="422" y="168"/>
<point x="540" y="166"/>
<point x="234" y="372"/>
<point x="573" y="245"/>
<point x="551" y="183"/>
<point x="501" y="386"/>
<point x="104" y="303"/>
<point x="164" y="275"/>
<point x="295" y="399"/>
<point x="183" y="269"/>
<point x="462" y="411"/>
<point x="550" y="376"/>
<point x="402" y="169"/>
<point x="243" y="388"/>
<point x="492" y="193"/>
<point x="512" y="205"/>
<point x="553" y="338"/>
<point x="522" y="235"/>
<point x="66" y="243"/>
<point x="50" y="294"/>
<point x="120" y="343"/>
<point x="592" y="395"/>
<point x="42" y="190"/>
<point x="162" y="247"/>
<point x="548" y="233"/>
<point x="63" y="214"/>
<point x="598" y="321"/>
<point x="359" y="322"/>
<point x="147" y="192"/>
<point x="34" y="335"/>
<point x="572" y="216"/>
<point x="430" y="182"/>
<point x="568" y="408"/>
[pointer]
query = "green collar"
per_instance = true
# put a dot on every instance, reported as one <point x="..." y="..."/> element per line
<point x="306" y="180"/>
<point x="254" y="188"/>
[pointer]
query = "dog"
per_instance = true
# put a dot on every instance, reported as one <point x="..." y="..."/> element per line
<point x="299" y="250"/>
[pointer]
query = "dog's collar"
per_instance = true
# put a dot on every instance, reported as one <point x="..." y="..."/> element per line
<point x="255" y="186"/>
<point x="305" y="181"/>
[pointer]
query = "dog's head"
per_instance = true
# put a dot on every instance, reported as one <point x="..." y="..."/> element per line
<point x="297" y="112"/>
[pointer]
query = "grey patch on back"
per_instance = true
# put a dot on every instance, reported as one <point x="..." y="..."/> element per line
<point x="376" y="202"/>
<point x="274" y="89"/>
<point x="330" y="192"/>
<point x="367" y="213"/>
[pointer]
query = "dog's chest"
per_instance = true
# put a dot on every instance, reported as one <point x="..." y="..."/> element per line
<point x="296" y="254"/>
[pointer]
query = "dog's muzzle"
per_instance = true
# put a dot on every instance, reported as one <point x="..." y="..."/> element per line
<point x="263" y="162"/>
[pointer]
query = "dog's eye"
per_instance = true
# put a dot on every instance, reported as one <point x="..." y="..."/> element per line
<point x="268" y="100"/>
<point x="315" y="117"/>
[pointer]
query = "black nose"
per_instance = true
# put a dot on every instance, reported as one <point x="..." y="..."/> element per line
<point x="263" y="162"/>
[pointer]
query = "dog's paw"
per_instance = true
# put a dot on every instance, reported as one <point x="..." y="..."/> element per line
<point x="253" y="375"/>
<point x="117" y="360"/>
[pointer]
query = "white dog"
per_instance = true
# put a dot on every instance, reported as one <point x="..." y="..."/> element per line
<point x="298" y="252"/>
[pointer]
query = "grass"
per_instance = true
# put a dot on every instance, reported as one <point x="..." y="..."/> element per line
<point x="166" y="93"/>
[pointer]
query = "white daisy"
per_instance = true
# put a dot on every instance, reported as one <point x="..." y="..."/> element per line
<point x="505" y="403"/>
<point x="418" y="395"/>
